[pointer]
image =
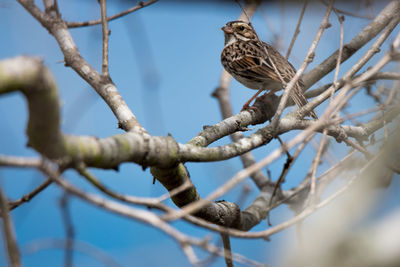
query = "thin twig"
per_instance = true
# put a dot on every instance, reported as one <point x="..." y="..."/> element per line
<point x="337" y="10"/>
<point x="339" y="59"/>
<point x="291" y="85"/>
<point x="79" y="246"/>
<point x="381" y="21"/>
<point x="104" y="87"/>
<point x="21" y="162"/>
<point x="333" y="88"/>
<point x="338" y="102"/>
<point x="105" y="31"/>
<point x="297" y="30"/>
<point x="326" y="176"/>
<point x="227" y="249"/>
<point x="356" y="67"/>
<point x="69" y="230"/>
<point x="242" y="175"/>
<point x="24" y="162"/>
<point x="8" y="232"/>
<point x="301" y="216"/>
<point x="286" y="169"/>
<point x="276" y="34"/>
<point x="149" y="202"/>
<point x="316" y="162"/>
<point x="116" y="16"/>
<point x="393" y="92"/>
<point x="28" y="197"/>
<point x="187" y="184"/>
<point x="143" y="216"/>
<point x="340" y="82"/>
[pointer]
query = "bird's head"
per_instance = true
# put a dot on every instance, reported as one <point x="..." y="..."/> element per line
<point x="239" y="30"/>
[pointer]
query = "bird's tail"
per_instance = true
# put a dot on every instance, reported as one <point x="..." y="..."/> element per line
<point x="300" y="100"/>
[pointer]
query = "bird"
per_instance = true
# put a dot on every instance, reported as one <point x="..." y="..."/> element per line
<point x="256" y="64"/>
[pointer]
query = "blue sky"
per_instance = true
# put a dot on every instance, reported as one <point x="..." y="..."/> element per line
<point x="165" y="61"/>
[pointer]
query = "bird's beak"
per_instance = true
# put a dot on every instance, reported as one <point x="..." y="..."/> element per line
<point x="227" y="29"/>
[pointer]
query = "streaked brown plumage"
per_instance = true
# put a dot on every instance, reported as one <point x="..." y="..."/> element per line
<point x="251" y="62"/>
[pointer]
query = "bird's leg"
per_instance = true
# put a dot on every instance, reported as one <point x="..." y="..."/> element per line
<point x="247" y="104"/>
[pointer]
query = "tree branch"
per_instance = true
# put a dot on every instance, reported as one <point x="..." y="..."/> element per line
<point x="103" y="86"/>
<point x="309" y="57"/>
<point x="144" y="216"/>
<point x="8" y="232"/>
<point x="116" y="16"/>
<point x="106" y="32"/>
<point x="389" y="13"/>
<point x="79" y="246"/>
<point x="297" y="30"/>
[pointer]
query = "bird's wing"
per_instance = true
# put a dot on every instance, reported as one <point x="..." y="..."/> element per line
<point x="253" y="62"/>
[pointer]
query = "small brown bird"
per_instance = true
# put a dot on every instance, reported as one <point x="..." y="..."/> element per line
<point x="251" y="62"/>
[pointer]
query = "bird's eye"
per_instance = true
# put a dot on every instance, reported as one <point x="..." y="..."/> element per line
<point x="241" y="28"/>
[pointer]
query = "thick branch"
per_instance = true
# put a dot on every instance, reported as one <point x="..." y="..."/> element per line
<point x="35" y="81"/>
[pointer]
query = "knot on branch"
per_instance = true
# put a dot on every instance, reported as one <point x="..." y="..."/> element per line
<point x="266" y="106"/>
<point x="216" y="93"/>
<point x="327" y="25"/>
<point x="341" y="135"/>
<point x="310" y="58"/>
<point x="228" y="214"/>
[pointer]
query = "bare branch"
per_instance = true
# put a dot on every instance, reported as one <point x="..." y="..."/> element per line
<point x="266" y="233"/>
<point x="297" y="30"/>
<point x="291" y="197"/>
<point x="149" y="202"/>
<point x="8" y="232"/>
<point x="340" y="82"/>
<point x="388" y="14"/>
<point x="310" y="54"/>
<point x="79" y="246"/>
<point x="28" y="197"/>
<point x="339" y="59"/>
<point x="316" y="162"/>
<point x="167" y="157"/>
<point x="105" y="31"/>
<point x="227" y="249"/>
<point x="364" y="59"/>
<point x="142" y="149"/>
<point x="104" y="87"/>
<point x="138" y="214"/>
<point x="286" y="170"/>
<point x="242" y="175"/>
<point x="69" y="230"/>
<point x="22" y="162"/>
<point x="337" y="10"/>
<point x="116" y="16"/>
